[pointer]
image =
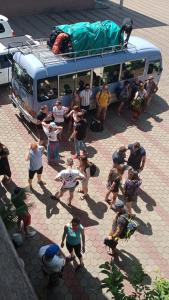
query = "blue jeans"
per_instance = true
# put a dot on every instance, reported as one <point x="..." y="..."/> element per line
<point x="79" y="145"/>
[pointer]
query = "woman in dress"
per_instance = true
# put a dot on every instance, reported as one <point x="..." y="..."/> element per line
<point x="74" y="233"/>
<point x="52" y="131"/>
<point x="4" y="163"/>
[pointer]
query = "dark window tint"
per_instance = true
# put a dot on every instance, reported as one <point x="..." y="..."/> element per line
<point x="132" y="69"/>
<point x="154" y="67"/>
<point x="4" y="62"/>
<point x="2" y="29"/>
<point x="23" y="78"/>
<point x="47" y="88"/>
<point x="111" y="73"/>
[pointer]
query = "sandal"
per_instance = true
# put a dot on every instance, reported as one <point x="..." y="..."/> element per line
<point x="83" y="197"/>
<point x="80" y="191"/>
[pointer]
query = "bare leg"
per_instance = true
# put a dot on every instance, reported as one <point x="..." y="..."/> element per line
<point x="107" y="195"/>
<point x="114" y="199"/>
<point x="30" y="183"/>
<point x="120" y="108"/>
<point x="129" y="208"/>
<point x="70" y="197"/>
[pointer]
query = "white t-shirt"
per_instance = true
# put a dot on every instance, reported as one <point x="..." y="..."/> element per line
<point x="59" y="114"/>
<point x="53" y="265"/>
<point x="53" y="135"/>
<point x="68" y="177"/>
<point x="85" y="95"/>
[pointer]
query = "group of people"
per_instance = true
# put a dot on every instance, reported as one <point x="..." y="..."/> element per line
<point x="137" y="94"/>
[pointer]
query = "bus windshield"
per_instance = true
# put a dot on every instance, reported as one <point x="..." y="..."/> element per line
<point x="21" y="75"/>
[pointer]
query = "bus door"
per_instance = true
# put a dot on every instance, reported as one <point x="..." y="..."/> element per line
<point x="155" y="69"/>
<point x="5" y="69"/>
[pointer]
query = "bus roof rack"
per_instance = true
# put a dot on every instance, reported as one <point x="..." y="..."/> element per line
<point x="46" y="56"/>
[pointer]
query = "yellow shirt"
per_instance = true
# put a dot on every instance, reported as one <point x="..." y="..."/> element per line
<point x="103" y="98"/>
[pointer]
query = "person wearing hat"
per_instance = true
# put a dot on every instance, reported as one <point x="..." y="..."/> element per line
<point x="52" y="262"/>
<point x="52" y="131"/>
<point x="119" y="225"/>
<point x="137" y="157"/>
<point x="34" y="156"/>
<point x="151" y="88"/>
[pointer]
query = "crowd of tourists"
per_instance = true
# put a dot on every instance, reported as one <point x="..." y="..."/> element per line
<point x="124" y="176"/>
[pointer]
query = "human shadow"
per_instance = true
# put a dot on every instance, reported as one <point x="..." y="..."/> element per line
<point x="51" y="205"/>
<point x="97" y="208"/>
<point x="83" y="215"/>
<point x="150" y="202"/>
<point x="118" y="14"/>
<point x="131" y="266"/>
<point x="9" y="186"/>
<point x="143" y="228"/>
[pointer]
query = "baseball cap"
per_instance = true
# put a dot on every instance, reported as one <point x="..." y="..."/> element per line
<point x="52" y="124"/>
<point x="117" y="205"/>
<point x="52" y="250"/>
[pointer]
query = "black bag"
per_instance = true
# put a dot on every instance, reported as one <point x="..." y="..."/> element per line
<point x="93" y="169"/>
<point x="96" y="126"/>
<point x="53" y="36"/>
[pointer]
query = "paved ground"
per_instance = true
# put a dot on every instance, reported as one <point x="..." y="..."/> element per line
<point x="150" y="246"/>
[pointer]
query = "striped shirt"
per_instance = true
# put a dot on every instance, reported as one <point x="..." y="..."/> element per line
<point x="85" y="95"/>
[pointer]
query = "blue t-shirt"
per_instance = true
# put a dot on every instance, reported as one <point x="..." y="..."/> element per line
<point x="67" y="100"/>
<point x="135" y="157"/>
<point x="35" y="159"/>
<point x="118" y="157"/>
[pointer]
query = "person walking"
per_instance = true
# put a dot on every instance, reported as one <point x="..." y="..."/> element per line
<point x="52" y="131"/>
<point x="59" y="112"/>
<point x="85" y="96"/>
<point x="102" y="99"/>
<point x="131" y="187"/>
<point x="119" y="224"/>
<point x="137" y="157"/>
<point x="113" y="184"/>
<point x="74" y="233"/>
<point x="18" y="200"/>
<point x="84" y="168"/>
<point x="79" y="134"/>
<point x="34" y="156"/>
<point x="53" y="262"/>
<point x="69" y="179"/>
<point x="4" y="163"/>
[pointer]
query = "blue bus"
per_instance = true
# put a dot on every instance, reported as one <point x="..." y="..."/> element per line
<point x="39" y="77"/>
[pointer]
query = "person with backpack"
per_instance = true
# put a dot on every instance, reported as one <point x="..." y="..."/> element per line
<point x="119" y="226"/>
<point x="113" y="184"/>
<point x="131" y="187"/>
<point x="53" y="262"/>
<point x="102" y="99"/>
<point x="124" y="96"/>
<point x="138" y="103"/>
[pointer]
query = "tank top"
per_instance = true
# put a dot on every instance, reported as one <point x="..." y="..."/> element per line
<point x="73" y="237"/>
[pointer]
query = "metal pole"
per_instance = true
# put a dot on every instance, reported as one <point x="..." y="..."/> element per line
<point x="121" y="3"/>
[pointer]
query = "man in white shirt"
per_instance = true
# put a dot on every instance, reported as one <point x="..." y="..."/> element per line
<point x="69" y="178"/>
<point x="85" y="96"/>
<point x="59" y="112"/>
<point x="52" y="262"/>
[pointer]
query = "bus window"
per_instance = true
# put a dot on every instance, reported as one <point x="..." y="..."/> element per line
<point x="154" y="67"/>
<point x="97" y="77"/>
<point x="132" y="69"/>
<point x="47" y="88"/>
<point x="84" y="76"/>
<point x="111" y="73"/>
<point x="20" y="75"/>
<point x="66" y="81"/>
<point x="4" y="62"/>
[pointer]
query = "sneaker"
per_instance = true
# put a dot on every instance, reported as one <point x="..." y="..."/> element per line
<point x="31" y="234"/>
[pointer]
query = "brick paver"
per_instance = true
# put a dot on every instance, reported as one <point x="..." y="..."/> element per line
<point x="150" y="246"/>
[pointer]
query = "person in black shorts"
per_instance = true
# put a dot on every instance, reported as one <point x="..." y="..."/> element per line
<point x="113" y="184"/>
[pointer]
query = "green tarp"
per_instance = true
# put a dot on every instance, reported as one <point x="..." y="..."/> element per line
<point x="87" y="36"/>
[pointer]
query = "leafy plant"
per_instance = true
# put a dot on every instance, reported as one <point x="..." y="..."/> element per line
<point x="114" y="284"/>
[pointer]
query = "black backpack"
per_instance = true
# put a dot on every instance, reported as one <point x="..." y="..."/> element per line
<point x="53" y="36"/>
<point x="93" y="169"/>
<point x="96" y="126"/>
